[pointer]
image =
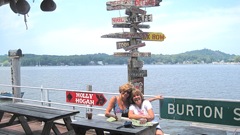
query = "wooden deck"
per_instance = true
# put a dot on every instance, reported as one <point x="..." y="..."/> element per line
<point x="36" y="127"/>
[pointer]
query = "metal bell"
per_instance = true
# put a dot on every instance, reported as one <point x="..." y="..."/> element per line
<point x="48" y="5"/>
<point x="22" y="7"/>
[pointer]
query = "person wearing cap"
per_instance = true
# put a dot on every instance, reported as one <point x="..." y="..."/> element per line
<point x="142" y="110"/>
<point x="122" y="102"/>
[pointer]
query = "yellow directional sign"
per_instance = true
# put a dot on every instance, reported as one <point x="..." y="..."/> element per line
<point x="154" y="36"/>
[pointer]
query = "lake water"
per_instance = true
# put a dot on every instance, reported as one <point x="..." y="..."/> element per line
<point x="198" y="81"/>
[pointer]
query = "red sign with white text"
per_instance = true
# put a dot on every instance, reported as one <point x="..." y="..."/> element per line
<point x="87" y="98"/>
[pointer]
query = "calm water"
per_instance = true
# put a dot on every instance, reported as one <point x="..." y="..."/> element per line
<point x="198" y="81"/>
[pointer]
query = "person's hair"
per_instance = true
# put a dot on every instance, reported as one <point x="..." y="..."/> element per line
<point x="126" y="87"/>
<point x="136" y="92"/>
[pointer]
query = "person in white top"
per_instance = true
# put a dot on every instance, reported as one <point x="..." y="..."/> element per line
<point x="141" y="109"/>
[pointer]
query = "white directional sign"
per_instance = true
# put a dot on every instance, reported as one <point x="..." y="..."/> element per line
<point x="136" y="19"/>
<point x="123" y="4"/>
<point x="117" y="5"/>
<point x="147" y="3"/>
<point x="123" y="44"/>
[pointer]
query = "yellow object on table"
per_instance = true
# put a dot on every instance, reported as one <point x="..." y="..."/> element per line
<point x="111" y="119"/>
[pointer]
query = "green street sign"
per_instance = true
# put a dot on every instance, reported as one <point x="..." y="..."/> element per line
<point x="201" y="110"/>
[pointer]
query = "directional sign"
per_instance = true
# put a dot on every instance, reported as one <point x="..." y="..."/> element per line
<point x="142" y="26"/>
<point x="120" y="20"/>
<point x="135" y="19"/>
<point x="147" y="36"/>
<point x="122" y="54"/>
<point x="126" y="35"/>
<point x="224" y="112"/>
<point x="133" y="54"/>
<point x="123" y="4"/>
<point x="134" y="46"/>
<point x="117" y="5"/>
<point x="87" y="98"/>
<point x="147" y="3"/>
<point x="136" y="10"/>
<point x="153" y="36"/>
<point x="140" y="54"/>
<point x="119" y="2"/>
<point x="138" y="73"/>
<point x="122" y="44"/>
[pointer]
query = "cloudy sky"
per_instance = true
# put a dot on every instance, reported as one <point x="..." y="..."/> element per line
<point x="76" y="26"/>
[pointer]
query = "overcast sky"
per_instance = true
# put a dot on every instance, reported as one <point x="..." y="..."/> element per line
<point x="76" y="26"/>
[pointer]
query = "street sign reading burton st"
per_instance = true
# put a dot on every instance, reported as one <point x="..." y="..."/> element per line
<point x="201" y="110"/>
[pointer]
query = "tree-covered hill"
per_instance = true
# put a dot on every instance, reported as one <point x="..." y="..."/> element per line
<point x="192" y="57"/>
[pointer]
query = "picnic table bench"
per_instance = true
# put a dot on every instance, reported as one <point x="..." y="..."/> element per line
<point x="26" y="112"/>
<point x="100" y="124"/>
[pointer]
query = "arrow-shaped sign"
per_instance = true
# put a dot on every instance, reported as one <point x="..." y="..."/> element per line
<point x="87" y="98"/>
<point x="148" y="36"/>
<point x="142" y="26"/>
<point x="131" y="19"/>
<point x="131" y="47"/>
<point x="123" y="4"/>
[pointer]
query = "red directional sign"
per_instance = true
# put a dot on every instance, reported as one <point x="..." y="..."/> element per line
<point x="87" y="98"/>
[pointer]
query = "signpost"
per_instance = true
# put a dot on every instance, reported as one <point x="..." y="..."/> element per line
<point x="201" y="110"/>
<point x="86" y="98"/>
<point x="135" y="36"/>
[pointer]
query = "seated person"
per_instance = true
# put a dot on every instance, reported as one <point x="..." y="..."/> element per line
<point x="142" y="109"/>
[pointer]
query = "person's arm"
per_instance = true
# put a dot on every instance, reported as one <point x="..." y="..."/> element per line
<point x="158" y="97"/>
<point x="150" y="116"/>
<point x="110" y="107"/>
<point x="132" y="115"/>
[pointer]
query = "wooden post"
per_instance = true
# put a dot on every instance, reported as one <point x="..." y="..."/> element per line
<point x="89" y="107"/>
<point x="15" y="56"/>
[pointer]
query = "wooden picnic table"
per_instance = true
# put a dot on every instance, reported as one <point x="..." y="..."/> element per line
<point x="26" y="112"/>
<point x="100" y="124"/>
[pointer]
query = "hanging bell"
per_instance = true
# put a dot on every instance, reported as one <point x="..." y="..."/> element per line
<point x="48" y="5"/>
<point x="12" y="4"/>
<point x="23" y="7"/>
